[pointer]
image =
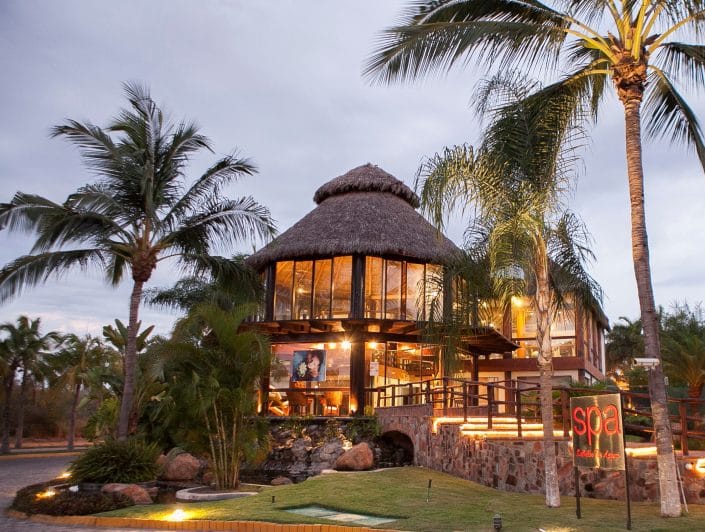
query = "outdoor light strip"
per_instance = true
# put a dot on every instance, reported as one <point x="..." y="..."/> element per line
<point x="641" y="451"/>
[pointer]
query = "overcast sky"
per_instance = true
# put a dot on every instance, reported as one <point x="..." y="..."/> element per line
<point x="280" y="81"/>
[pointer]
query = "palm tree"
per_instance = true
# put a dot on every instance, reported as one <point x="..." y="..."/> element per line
<point x="515" y="183"/>
<point x="21" y="349"/>
<point x="625" y="342"/>
<point x="630" y="43"/>
<point x="684" y="347"/>
<point x="211" y="372"/>
<point x="140" y="212"/>
<point x="75" y="365"/>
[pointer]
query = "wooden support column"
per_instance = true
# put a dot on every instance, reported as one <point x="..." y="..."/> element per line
<point x="269" y="280"/>
<point x="357" y="375"/>
<point x="475" y="377"/>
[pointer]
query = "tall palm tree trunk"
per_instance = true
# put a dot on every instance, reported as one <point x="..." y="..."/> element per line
<point x="668" y="480"/>
<point x="9" y="382"/>
<point x="72" y="418"/>
<point x="19" y="432"/>
<point x="545" y="362"/>
<point x="130" y="363"/>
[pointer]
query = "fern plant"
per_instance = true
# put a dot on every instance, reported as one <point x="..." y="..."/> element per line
<point x="127" y="461"/>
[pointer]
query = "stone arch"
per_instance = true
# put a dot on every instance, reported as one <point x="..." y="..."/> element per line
<point x="397" y="449"/>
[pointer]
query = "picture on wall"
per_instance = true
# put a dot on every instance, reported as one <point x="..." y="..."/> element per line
<point x="309" y="366"/>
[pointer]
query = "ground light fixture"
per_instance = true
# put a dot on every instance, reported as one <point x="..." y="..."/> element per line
<point x="46" y="494"/>
<point x="176" y="515"/>
<point x="497" y="522"/>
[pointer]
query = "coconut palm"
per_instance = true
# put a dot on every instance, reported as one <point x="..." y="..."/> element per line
<point x="140" y="212"/>
<point x="624" y="343"/>
<point x="21" y="349"/>
<point x="515" y="183"/>
<point x="76" y="365"/>
<point x="633" y="44"/>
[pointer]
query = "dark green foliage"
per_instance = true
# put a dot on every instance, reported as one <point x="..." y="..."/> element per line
<point x="65" y="502"/>
<point x="127" y="461"/>
<point x="362" y="428"/>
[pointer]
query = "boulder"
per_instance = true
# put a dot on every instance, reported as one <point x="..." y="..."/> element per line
<point x="138" y="494"/>
<point x="359" y="458"/>
<point x="281" y="481"/>
<point x="183" y="466"/>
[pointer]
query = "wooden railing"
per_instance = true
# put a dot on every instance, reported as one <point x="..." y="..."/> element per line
<point x="516" y="399"/>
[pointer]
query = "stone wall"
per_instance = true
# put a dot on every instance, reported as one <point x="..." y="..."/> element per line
<point x="517" y="465"/>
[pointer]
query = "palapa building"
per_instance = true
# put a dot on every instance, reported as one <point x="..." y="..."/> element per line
<point x="350" y="290"/>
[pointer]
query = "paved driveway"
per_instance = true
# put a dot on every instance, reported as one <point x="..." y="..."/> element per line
<point x="19" y="471"/>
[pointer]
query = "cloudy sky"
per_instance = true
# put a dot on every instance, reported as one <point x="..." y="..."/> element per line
<point x="280" y="82"/>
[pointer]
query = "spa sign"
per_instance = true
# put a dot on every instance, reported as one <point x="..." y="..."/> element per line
<point x="598" y="433"/>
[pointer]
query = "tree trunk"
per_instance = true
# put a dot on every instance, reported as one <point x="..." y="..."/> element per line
<point x="9" y="382"/>
<point x="19" y="433"/>
<point x="72" y="418"/>
<point x="668" y="480"/>
<point x="545" y="362"/>
<point x="130" y="363"/>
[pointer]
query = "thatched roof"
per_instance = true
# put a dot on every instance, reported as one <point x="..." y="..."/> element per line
<point x="365" y="211"/>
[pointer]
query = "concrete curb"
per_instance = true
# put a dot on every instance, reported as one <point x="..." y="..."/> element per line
<point x="205" y="524"/>
<point x="43" y="454"/>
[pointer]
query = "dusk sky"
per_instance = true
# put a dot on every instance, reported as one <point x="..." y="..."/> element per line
<point x="280" y="82"/>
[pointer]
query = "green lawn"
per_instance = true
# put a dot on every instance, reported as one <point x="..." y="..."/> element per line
<point x="455" y="504"/>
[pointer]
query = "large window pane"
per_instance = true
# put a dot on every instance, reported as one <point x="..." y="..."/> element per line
<point x="523" y="318"/>
<point x="434" y="292"/>
<point x="303" y="278"/>
<point x="393" y="290"/>
<point x="342" y="286"/>
<point x="321" y="289"/>
<point x="282" y="290"/>
<point x="564" y="321"/>
<point x="414" y="291"/>
<point x="374" y="286"/>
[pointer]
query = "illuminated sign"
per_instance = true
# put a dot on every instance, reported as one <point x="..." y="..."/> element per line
<point x="598" y="433"/>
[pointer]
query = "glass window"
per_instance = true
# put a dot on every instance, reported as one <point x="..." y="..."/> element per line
<point x="564" y="321"/>
<point x="523" y="318"/>
<point x="342" y="286"/>
<point x="303" y="276"/>
<point x="282" y="290"/>
<point x="392" y="307"/>
<point x="433" y="294"/>
<point x="374" y="285"/>
<point x="414" y="291"/>
<point x="321" y="289"/>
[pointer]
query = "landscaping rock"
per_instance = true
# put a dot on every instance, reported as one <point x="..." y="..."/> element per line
<point x="359" y="458"/>
<point x="183" y="466"/>
<point x="281" y="481"/>
<point x="138" y="494"/>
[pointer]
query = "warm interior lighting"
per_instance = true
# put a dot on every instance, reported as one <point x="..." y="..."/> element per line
<point x="46" y="493"/>
<point x="517" y="301"/>
<point x="318" y="346"/>
<point x="372" y="345"/>
<point x="332" y="345"/>
<point x="641" y="451"/>
<point x="346" y="344"/>
<point x="176" y="515"/>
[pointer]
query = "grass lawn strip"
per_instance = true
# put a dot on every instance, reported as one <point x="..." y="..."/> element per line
<point x="455" y="504"/>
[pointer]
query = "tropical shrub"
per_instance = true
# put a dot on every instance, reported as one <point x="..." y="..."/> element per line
<point x="126" y="461"/>
<point x="65" y="502"/>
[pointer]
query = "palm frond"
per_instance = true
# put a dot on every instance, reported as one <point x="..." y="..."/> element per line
<point x="221" y="222"/>
<point x="442" y="182"/>
<point x="208" y="185"/>
<point x="434" y="36"/>
<point x="668" y="115"/>
<point x="30" y="270"/>
<point x="685" y="62"/>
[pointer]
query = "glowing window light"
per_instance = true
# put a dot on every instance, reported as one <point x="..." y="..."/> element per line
<point x="346" y="344"/>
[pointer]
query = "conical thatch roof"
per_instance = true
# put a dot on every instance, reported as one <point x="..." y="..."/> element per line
<point x="365" y="211"/>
